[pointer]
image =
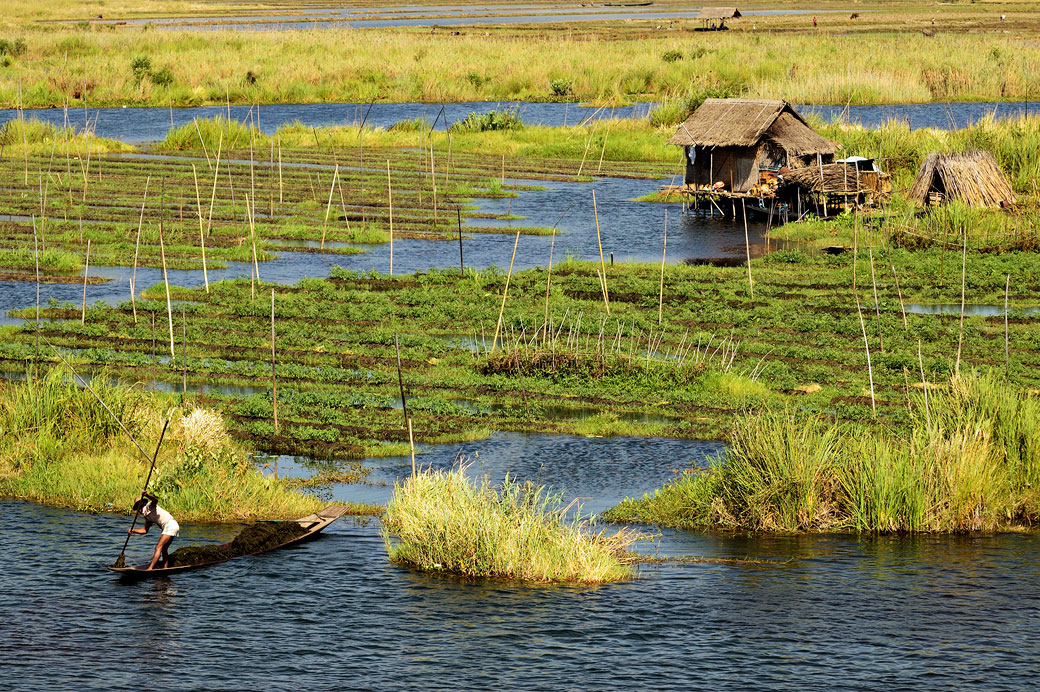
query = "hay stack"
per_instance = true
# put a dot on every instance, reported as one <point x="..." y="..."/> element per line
<point x="837" y="179"/>
<point x="972" y="177"/>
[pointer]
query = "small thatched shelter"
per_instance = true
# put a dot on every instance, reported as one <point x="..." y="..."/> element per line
<point x="972" y="177"/>
<point x="718" y="13"/>
<point x="736" y="141"/>
<point x="840" y="179"/>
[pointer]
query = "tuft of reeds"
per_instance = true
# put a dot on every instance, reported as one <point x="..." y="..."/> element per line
<point x="970" y="462"/>
<point x="441" y="521"/>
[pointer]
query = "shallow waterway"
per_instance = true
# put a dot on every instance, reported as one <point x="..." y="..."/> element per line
<point x="137" y="125"/>
<point x="631" y="231"/>
<point x="814" y="613"/>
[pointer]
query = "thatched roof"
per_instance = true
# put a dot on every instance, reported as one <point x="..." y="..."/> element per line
<point x="973" y="177"/>
<point x="746" y="122"/>
<point x="718" y="13"/>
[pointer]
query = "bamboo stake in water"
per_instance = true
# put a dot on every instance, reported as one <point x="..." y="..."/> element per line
<point x="86" y="271"/>
<point x="747" y="244"/>
<point x="166" y="283"/>
<point x="866" y="344"/>
<point x="202" y="142"/>
<point x="433" y="180"/>
<point x="36" y="252"/>
<point x="184" y="353"/>
<point x="279" y="170"/>
<point x="505" y="293"/>
<point x="1007" y="346"/>
<point x="411" y="444"/>
<point x="274" y="384"/>
<point x="602" y="264"/>
<point x="202" y="228"/>
<point x="137" y="249"/>
<point x="664" y="252"/>
<point x="462" y="266"/>
<point x="400" y="379"/>
<point x="924" y="384"/>
<point x="960" y="334"/>
<point x="877" y="308"/>
<point x="902" y="308"/>
<point x="390" y="202"/>
<point x="582" y="166"/>
<point x="328" y="208"/>
<point x="213" y="194"/>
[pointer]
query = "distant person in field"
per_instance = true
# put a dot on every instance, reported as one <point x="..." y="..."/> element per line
<point x="814" y="22"/>
<point x="149" y="508"/>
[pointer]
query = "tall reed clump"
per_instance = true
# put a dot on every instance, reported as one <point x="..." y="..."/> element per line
<point x="36" y="136"/>
<point x="970" y="461"/>
<point x="59" y="446"/>
<point x="213" y="131"/>
<point x="442" y="521"/>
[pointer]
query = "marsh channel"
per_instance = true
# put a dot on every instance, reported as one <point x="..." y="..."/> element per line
<point x="718" y="611"/>
<point x="751" y="612"/>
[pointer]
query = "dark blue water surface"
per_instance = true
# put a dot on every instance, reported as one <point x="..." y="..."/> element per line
<point x="136" y="125"/>
<point x="632" y="231"/>
<point x="819" y="613"/>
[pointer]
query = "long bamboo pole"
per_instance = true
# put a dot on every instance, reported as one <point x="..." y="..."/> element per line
<point x="505" y="293"/>
<point x="390" y="202"/>
<point x="602" y="264"/>
<point x="36" y="252"/>
<point x="747" y="244"/>
<point x="166" y="283"/>
<point x="866" y="345"/>
<point x="213" y="194"/>
<point x="924" y="384"/>
<point x="328" y="208"/>
<point x="137" y="249"/>
<point x="960" y="333"/>
<point x="1007" y="339"/>
<point x="660" y="295"/>
<point x="899" y="292"/>
<point x="274" y="384"/>
<point x="202" y="227"/>
<point x="86" y="271"/>
<point x="877" y="307"/>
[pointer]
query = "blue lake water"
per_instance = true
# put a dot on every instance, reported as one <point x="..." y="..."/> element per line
<point x="814" y="613"/>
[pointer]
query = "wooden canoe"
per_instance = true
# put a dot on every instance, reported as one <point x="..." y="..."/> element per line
<point x="313" y="523"/>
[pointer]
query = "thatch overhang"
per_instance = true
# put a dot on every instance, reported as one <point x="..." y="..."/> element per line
<point x="973" y="177"/>
<point x="746" y="123"/>
<point x="709" y="13"/>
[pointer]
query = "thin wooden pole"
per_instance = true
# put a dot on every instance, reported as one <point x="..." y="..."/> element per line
<point x="1007" y="339"/>
<point x="36" y="252"/>
<point x="747" y="244"/>
<point x="902" y="308"/>
<point x="390" y="202"/>
<point x="582" y="166"/>
<point x="877" y="307"/>
<point x="166" y="283"/>
<point x="664" y="252"/>
<point x="602" y="264"/>
<point x="601" y="153"/>
<point x="462" y="266"/>
<point x="411" y="444"/>
<point x="866" y="345"/>
<point x="960" y="334"/>
<point x="184" y="353"/>
<point x="328" y="208"/>
<point x="137" y="249"/>
<point x="505" y="293"/>
<point x="251" y="208"/>
<point x="400" y="379"/>
<point x="924" y="384"/>
<point x="433" y="179"/>
<point x="86" y="271"/>
<point x="202" y="142"/>
<point x="274" y="384"/>
<point x="279" y="170"/>
<point x="202" y="227"/>
<point x="213" y="194"/>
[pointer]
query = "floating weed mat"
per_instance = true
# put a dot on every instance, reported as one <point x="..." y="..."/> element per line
<point x="254" y="539"/>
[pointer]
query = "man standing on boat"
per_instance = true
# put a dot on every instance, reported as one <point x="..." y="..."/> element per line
<point x="149" y="508"/>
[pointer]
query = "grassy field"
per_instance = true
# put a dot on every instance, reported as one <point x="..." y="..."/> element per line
<point x="972" y="56"/>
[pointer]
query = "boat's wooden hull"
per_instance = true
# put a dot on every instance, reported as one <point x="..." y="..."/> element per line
<point x="314" y="523"/>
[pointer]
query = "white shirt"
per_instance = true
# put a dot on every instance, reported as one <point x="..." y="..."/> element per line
<point x="154" y="514"/>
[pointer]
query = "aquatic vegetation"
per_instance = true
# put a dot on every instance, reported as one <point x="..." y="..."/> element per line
<point x="441" y="521"/>
<point x="970" y="461"/>
<point x="58" y="445"/>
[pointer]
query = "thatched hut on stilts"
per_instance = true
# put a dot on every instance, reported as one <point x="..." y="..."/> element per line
<point x="973" y="177"/>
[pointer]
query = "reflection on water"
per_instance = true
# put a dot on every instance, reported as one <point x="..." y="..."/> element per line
<point x="970" y="310"/>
